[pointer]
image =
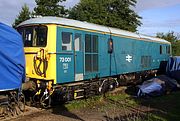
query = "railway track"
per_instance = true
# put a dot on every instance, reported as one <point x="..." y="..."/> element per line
<point x="131" y="113"/>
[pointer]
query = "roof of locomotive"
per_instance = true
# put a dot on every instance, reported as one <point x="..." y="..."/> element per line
<point x="89" y="26"/>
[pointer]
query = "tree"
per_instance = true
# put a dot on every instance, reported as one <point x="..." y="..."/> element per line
<point x="113" y="13"/>
<point x="24" y="14"/>
<point x="176" y="48"/>
<point x="174" y="39"/>
<point x="50" y="8"/>
<point x="170" y="36"/>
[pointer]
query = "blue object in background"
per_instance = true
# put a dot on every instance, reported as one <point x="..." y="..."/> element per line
<point x="173" y="64"/>
<point x="12" y="59"/>
<point x="173" y="68"/>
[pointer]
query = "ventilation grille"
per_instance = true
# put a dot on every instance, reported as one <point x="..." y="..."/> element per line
<point x="145" y="61"/>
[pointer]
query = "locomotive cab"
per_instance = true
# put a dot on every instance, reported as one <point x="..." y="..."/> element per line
<point x="37" y="50"/>
<point x="39" y="47"/>
<point x="49" y="50"/>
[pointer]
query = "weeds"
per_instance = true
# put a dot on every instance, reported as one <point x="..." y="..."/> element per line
<point x="122" y="107"/>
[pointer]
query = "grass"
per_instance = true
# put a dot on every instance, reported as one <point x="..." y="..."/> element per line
<point x="166" y="108"/>
<point x="98" y="101"/>
<point x="84" y="103"/>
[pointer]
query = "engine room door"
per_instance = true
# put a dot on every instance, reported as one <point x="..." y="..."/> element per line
<point x="78" y="55"/>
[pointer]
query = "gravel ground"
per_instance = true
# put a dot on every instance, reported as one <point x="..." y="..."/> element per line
<point x="60" y="113"/>
<point x="109" y="111"/>
<point x="56" y="114"/>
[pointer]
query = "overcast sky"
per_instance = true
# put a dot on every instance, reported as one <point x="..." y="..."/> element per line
<point x="158" y="15"/>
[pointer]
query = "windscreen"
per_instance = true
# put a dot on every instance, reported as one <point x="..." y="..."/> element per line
<point x="34" y="36"/>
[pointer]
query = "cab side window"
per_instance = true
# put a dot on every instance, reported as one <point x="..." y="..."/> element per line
<point x="66" y="41"/>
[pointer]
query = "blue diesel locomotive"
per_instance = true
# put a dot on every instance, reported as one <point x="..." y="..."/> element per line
<point x="12" y="72"/>
<point x="73" y="57"/>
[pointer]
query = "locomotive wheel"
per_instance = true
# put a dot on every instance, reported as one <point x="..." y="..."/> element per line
<point x="45" y="101"/>
<point x="21" y="102"/>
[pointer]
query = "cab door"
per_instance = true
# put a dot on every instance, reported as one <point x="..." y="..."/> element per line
<point x="78" y="55"/>
<point x="65" y="55"/>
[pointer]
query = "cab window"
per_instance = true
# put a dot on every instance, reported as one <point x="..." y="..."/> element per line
<point x="34" y="36"/>
<point x="66" y="41"/>
<point x="28" y="38"/>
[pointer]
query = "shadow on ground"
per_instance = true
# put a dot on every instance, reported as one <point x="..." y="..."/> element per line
<point x="60" y="109"/>
<point x="164" y="107"/>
